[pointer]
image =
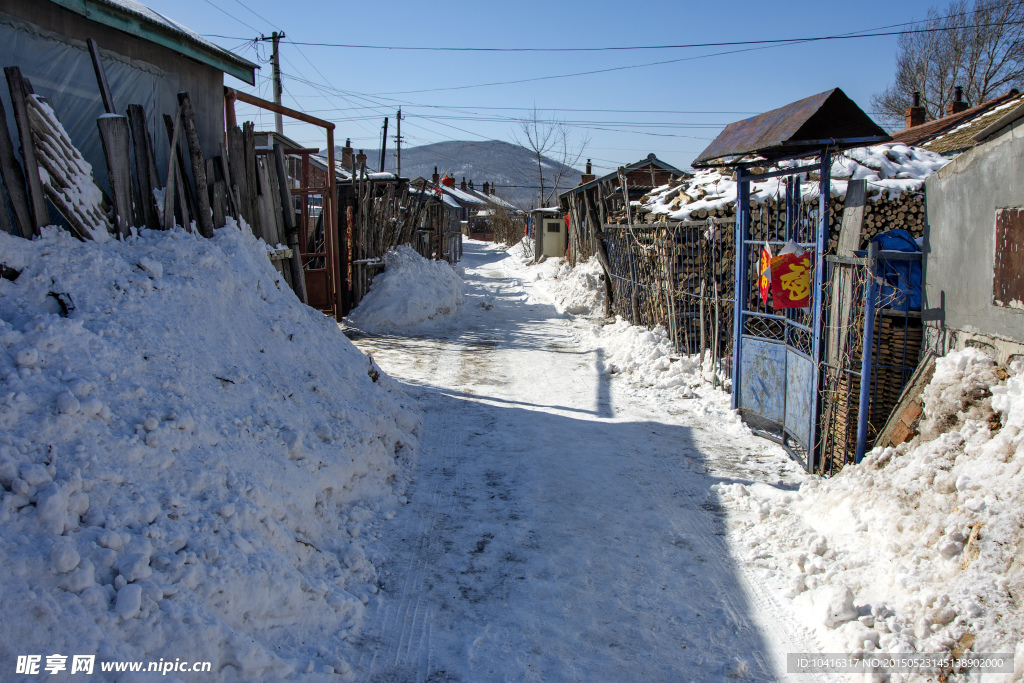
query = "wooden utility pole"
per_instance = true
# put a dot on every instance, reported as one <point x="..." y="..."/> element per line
<point x="383" y="144"/>
<point x="398" y="144"/>
<point x="278" y="89"/>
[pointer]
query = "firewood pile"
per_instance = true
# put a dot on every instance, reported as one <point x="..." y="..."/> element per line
<point x="897" y="344"/>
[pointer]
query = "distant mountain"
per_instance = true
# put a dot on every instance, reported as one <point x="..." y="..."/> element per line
<point x="512" y="167"/>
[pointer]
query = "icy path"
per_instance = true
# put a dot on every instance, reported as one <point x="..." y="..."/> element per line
<point x="556" y="530"/>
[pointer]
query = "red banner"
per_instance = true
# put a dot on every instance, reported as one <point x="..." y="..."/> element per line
<point x="791" y="281"/>
<point x="765" y="270"/>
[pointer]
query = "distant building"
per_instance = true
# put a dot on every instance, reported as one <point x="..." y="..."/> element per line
<point x="954" y="133"/>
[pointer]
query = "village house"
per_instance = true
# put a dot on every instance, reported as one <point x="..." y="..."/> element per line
<point x="148" y="60"/>
<point x="954" y="133"/>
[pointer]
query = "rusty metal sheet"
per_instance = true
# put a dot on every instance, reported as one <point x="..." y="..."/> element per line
<point x="1008" y="270"/>
<point x="803" y="124"/>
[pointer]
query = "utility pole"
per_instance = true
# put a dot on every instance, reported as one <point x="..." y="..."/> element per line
<point x="278" y="89"/>
<point x="383" y="144"/>
<point x="398" y="143"/>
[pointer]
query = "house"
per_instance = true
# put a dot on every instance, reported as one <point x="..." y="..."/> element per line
<point x="954" y="133"/>
<point x="594" y="198"/>
<point x="148" y="59"/>
<point x="974" y="244"/>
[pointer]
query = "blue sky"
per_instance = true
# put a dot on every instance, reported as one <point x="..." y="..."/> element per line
<point x="356" y="88"/>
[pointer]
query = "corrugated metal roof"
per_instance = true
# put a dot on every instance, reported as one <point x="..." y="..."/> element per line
<point x="796" y="127"/>
<point x="136" y="19"/>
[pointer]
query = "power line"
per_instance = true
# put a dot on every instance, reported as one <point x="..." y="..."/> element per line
<point x="732" y="43"/>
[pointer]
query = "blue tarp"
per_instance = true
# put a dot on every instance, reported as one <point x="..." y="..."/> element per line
<point x="900" y="288"/>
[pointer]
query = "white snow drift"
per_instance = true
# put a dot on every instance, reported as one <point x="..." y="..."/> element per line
<point x="412" y="293"/>
<point x="189" y="457"/>
<point x="918" y="548"/>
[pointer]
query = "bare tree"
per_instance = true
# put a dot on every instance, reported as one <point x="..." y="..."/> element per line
<point x="978" y="45"/>
<point x="549" y="139"/>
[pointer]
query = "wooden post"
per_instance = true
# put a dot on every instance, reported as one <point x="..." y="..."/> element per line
<point x="249" y="151"/>
<point x="114" y="136"/>
<point x="172" y="174"/>
<point x="101" y="77"/>
<point x="219" y="204"/>
<point x="14" y="180"/>
<point x="144" y="165"/>
<point x="181" y="184"/>
<point x="338" y="249"/>
<point x="204" y="216"/>
<point x="37" y="200"/>
<point x="298" y="278"/>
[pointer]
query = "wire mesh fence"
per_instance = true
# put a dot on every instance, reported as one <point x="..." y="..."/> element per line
<point x="680" y="276"/>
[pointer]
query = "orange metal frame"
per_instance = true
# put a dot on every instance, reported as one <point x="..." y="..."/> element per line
<point x="329" y="211"/>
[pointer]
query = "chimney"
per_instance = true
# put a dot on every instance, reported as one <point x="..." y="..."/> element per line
<point x="492" y="189"/>
<point x="435" y="178"/>
<point x="487" y="187"/>
<point x="361" y="159"/>
<point x="346" y="154"/>
<point x="470" y="183"/>
<point x="915" y="114"/>
<point x="588" y="176"/>
<point x="958" y="104"/>
<point x="463" y="186"/>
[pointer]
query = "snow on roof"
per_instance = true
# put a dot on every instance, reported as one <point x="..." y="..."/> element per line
<point x="463" y="197"/>
<point x="891" y="169"/>
<point x="342" y="173"/>
<point x="227" y="61"/>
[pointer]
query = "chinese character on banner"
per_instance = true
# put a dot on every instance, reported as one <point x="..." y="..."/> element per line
<point x="765" y="271"/>
<point x="791" y="280"/>
<point x="83" y="664"/>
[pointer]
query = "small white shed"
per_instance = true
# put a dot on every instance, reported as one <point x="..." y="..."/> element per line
<point x="551" y="232"/>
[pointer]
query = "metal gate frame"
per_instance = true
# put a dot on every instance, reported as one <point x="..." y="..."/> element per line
<point x="776" y="382"/>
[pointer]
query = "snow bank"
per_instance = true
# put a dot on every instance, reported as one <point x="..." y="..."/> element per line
<point x="891" y="169"/>
<point x="411" y="293"/>
<point x="919" y="547"/>
<point x="188" y="456"/>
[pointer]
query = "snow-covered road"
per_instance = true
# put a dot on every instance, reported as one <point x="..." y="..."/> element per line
<point x="560" y="525"/>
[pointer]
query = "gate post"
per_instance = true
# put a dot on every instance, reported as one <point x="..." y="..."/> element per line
<point x="740" y="285"/>
<point x="865" y="362"/>
<point x="824" y="199"/>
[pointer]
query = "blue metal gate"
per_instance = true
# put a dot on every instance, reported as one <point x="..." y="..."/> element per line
<point x="777" y="363"/>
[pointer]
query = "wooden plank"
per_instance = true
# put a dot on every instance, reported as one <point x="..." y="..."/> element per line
<point x="298" y="276"/>
<point x="842" y="293"/>
<point x="114" y="136"/>
<point x="252" y="182"/>
<point x="143" y="163"/>
<point x="229" y="185"/>
<point x="14" y="179"/>
<point x="204" y="217"/>
<point x="172" y="174"/>
<point x="101" y="77"/>
<point x="239" y="180"/>
<point x="36" y="198"/>
<point x="181" y="187"/>
<point x="219" y="204"/>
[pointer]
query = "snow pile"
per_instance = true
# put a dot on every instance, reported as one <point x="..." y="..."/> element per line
<point x="919" y="547"/>
<point x="580" y="290"/>
<point x="891" y="169"/>
<point x="647" y="357"/>
<point x="411" y="293"/>
<point x="188" y="457"/>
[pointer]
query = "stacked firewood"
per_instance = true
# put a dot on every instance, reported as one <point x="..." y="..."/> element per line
<point x="881" y="213"/>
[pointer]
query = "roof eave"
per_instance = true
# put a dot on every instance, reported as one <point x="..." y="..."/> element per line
<point x="114" y="17"/>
